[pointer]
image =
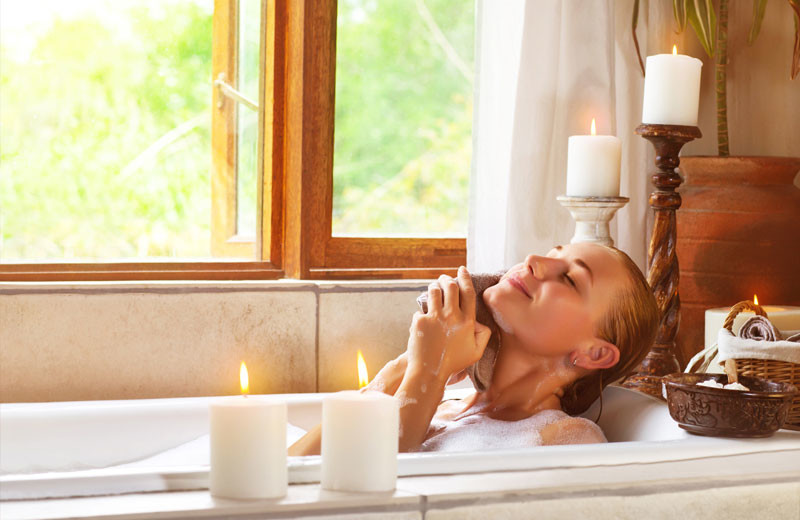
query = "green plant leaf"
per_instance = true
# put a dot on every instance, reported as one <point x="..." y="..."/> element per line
<point x="679" y="10"/>
<point x="704" y="22"/>
<point x="759" y="8"/>
<point x="634" y="23"/>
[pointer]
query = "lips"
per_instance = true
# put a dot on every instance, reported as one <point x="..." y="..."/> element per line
<point x="519" y="284"/>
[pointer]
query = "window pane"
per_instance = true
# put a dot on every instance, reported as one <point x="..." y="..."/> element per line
<point x="105" y="149"/>
<point x="403" y="117"/>
<point x="247" y="119"/>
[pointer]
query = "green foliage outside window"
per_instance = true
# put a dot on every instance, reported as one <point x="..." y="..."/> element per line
<point x="403" y="117"/>
<point x="105" y="142"/>
<point x="105" y="137"/>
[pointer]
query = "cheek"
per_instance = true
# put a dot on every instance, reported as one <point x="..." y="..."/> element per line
<point x="557" y="323"/>
<point x="504" y="305"/>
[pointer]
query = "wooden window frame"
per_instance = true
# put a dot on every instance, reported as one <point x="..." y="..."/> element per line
<point x="311" y="250"/>
<point x="224" y="135"/>
<point x="295" y="197"/>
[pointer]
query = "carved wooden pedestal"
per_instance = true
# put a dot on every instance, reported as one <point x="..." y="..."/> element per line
<point x="662" y="261"/>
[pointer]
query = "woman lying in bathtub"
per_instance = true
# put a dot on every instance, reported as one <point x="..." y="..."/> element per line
<point x="571" y="322"/>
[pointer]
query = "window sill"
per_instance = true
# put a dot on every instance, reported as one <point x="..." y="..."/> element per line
<point x="188" y="286"/>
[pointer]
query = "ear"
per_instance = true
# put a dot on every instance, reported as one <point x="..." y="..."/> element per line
<point x="599" y="353"/>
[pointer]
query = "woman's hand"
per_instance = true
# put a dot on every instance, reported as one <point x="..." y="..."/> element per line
<point x="447" y="339"/>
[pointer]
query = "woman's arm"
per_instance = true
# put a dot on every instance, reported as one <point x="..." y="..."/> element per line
<point x="387" y="380"/>
<point x="308" y="444"/>
<point x="442" y="342"/>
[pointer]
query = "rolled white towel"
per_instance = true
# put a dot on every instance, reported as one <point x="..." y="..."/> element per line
<point x="732" y="347"/>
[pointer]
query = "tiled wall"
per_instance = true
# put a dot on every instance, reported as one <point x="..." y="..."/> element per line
<point x="61" y="342"/>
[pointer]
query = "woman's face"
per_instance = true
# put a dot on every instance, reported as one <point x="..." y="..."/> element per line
<point x="552" y="303"/>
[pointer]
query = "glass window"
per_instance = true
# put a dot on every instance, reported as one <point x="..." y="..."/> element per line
<point x="403" y="117"/>
<point x="247" y="118"/>
<point x="105" y="143"/>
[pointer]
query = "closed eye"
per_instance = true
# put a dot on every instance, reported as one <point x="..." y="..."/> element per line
<point x="571" y="281"/>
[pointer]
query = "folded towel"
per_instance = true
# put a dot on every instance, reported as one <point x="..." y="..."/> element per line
<point x="481" y="372"/>
<point x="759" y="328"/>
<point x="791" y="335"/>
<point x="732" y="347"/>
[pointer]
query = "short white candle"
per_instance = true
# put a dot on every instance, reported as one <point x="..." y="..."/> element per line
<point x="671" y="89"/>
<point x="360" y="435"/>
<point x="593" y="165"/>
<point x="784" y="317"/>
<point x="248" y="447"/>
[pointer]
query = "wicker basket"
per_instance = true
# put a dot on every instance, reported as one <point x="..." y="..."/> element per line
<point x="772" y="370"/>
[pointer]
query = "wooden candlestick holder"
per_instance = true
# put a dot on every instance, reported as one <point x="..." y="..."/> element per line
<point x="662" y="260"/>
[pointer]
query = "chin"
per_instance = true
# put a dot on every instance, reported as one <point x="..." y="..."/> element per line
<point x="501" y="311"/>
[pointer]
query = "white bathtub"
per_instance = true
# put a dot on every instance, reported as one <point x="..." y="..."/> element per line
<point x="109" y="447"/>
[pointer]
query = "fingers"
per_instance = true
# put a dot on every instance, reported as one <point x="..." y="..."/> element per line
<point x="435" y="302"/>
<point x="450" y="290"/>
<point x="467" y="292"/>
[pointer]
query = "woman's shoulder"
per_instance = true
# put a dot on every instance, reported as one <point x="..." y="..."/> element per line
<point x="572" y="430"/>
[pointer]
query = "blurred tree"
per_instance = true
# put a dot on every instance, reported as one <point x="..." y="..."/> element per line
<point x="105" y="148"/>
<point x="105" y="141"/>
<point x="403" y="117"/>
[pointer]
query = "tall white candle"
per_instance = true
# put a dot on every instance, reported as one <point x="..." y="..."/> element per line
<point x="248" y="446"/>
<point x="783" y="317"/>
<point x="593" y="165"/>
<point x="360" y="435"/>
<point x="671" y="89"/>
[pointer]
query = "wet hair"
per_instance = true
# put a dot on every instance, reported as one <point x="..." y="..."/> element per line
<point x="630" y="323"/>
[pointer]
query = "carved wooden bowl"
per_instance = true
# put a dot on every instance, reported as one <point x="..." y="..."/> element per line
<point x="702" y="410"/>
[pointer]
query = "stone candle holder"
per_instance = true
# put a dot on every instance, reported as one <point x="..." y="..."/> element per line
<point x="592" y="215"/>
<point x="662" y="259"/>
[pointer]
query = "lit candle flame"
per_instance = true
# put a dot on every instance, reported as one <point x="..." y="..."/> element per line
<point x="363" y="377"/>
<point x="244" y="381"/>
<point x="755" y="299"/>
<point x="594" y="130"/>
<point x="674" y="50"/>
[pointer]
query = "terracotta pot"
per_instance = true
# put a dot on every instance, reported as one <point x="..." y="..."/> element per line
<point x="738" y="235"/>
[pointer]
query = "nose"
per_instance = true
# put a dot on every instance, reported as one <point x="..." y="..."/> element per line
<point x="542" y="267"/>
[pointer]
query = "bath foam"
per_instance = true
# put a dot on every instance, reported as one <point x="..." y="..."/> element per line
<point x="481" y="372"/>
<point x="505" y="327"/>
<point x="404" y="399"/>
<point x="473" y="431"/>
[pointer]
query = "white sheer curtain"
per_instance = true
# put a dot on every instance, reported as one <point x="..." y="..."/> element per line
<point x="545" y="68"/>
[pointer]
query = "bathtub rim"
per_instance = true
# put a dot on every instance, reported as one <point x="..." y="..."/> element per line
<point x="114" y="479"/>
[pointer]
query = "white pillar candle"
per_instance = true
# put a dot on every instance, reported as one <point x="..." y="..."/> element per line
<point x="248" y="446"/>
<point x="784" y="318"/>
<point x="593" y="165"/>
<point x="360" y="435"/>
<point x="671" y="89"/>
